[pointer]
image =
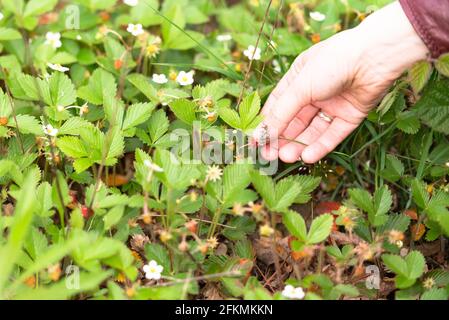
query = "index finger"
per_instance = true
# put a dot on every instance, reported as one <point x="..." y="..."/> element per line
<point x="284" y="83"/>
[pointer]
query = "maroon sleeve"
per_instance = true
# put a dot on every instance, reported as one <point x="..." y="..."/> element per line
<point x="430" y="18"/>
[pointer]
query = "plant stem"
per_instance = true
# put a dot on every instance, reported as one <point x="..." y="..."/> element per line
<point x="215" y="221"/>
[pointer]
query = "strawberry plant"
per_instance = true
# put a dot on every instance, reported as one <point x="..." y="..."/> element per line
<point x="127" y="170"/>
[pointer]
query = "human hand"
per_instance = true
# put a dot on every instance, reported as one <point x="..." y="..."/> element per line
<point x="331" y="87"/>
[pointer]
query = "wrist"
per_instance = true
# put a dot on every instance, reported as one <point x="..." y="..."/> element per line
<point x="389" y="41"/>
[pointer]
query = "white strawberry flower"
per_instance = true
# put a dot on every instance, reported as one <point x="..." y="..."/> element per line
<point x="159" y="78"/>
<point x="53" y="39"/>
<point x="153" y="270"/>
<point x="224" y="37"/>
<point x="57" y="67"/>
<point x="213" y="173"/>
<point x="135" y="29"/>
<point x="1" y="16"/>
<point x="291" y="292"/>
<point x="49" y="130"/>
<point x="317" y="16"/>
<point x="252" y="53"/>
<point x="185" y="78"/>
<point x="131" y="3"/>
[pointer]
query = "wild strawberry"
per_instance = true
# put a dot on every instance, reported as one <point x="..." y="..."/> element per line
<point x="30" y="282"/>
<point x="130" y="292"/>
<point x="57" y="159"/>
<point x="118" y="64"/>
<point x="48" y="18"/>
<point x="165" y="236"/>
<point x="192" y="226"/>
<point x="146" y="218"/>
<point x="104" y="16"/>
<point x="203" y="248"/>
<point x="183" y="246"/>
<point x="85" y="212"/>
<point x="412" y="214"/>
<point x="3" y="121"/>
<point x="315" y="38"/>
<point x="54" y="272"/>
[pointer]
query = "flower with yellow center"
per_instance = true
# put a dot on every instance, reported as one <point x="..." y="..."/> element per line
<point x="428" y="283"/>
<point x="153" y="270"/>
<point x="49" y="130"/>
<point x="135" y="29"/>
<point x="185" y="78"/>
<point x="266" y="231"/>
<point x="154" y="47"/>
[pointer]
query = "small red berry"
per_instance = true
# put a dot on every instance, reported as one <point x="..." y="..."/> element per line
<point x="85" y="212"/>
<point x="104" y="16"/>
<point x="118" y="64"/>
<point x="192" y="226"/>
